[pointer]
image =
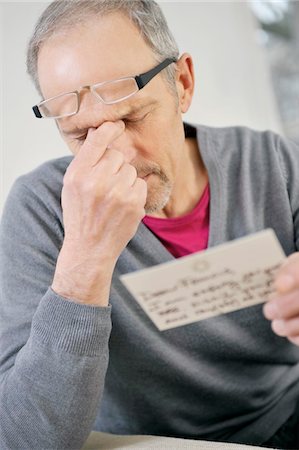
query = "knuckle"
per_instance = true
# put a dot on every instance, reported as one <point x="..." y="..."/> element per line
<point x="103" y="135"/>
<point x="141" y="186"/>
<point x="91" y="139"/>
<point x="129" y="168"/>
<point x="89" y="187"/>
<point x="71" y="178"/>
<point x="140" y="183"/>
<point x="134" y="170"/>
<point x="117" y="196"/>
<point x="115" y="155"/>
<point x="75" y="181"/>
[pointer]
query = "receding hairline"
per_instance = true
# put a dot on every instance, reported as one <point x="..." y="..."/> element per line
<point x="146" y="16"/>
<point x="86" y="25"/>
<point x="85" y="22"/>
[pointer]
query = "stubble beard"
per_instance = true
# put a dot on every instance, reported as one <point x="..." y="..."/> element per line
<point x="159" y="187"/>
<point x="157" y="197"/>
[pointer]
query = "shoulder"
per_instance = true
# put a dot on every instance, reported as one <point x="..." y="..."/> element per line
<point x="39" y="190"/>
<point x="245" y="138"/>
<point x="238" y="136"/>
<point x="242" y="145"/>
<point x="46" y="178"/>
<point x="49" y="172"/>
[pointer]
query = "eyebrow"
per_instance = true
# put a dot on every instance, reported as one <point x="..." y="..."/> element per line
<point x="129" y="111"/>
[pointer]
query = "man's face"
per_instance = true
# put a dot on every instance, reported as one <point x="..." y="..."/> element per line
<point x="105" y="49"/>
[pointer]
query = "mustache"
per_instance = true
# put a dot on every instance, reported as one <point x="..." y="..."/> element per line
<point x="144" y="169"/>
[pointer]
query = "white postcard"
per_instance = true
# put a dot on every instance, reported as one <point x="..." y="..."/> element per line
<point x="232" y="276"/>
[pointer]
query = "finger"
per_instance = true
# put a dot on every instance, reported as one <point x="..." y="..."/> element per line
<point x="283" y="307"/>
<point x="112" y="161"/>
<point x="294" y="340"/>
<point x="97" y="141"/>
<point x="286" y="328"/>
<point x="127" y="174"/>
<point x="140" y="190"/>
<point x="287" y="277"/>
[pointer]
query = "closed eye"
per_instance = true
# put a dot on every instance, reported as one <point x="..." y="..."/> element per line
<point x="79" y="139"/>
<point x="132" y="120"/>
<point x="127" y="120"/>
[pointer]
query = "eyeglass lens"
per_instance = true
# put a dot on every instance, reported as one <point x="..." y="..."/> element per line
<point x="109" y="92"/>
<point x="63" y="105"/>
<point x="113" y="91"/>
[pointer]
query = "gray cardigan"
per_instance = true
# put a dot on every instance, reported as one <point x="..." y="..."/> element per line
<point x="227" y="378"/>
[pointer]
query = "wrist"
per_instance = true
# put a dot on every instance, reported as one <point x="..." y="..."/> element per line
<point x="83" y="278"/>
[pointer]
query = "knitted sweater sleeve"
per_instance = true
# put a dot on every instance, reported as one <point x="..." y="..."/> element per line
<point x="288" y="152"/>
<point x="53" y="351"/>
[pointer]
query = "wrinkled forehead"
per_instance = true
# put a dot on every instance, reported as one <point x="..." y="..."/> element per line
<point x="100" y="49"/>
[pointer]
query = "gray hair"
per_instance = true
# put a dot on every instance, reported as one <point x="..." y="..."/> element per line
<point x="62" y="15"/>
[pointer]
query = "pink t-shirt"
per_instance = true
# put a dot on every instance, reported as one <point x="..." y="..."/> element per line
<point x="186" y="234"/>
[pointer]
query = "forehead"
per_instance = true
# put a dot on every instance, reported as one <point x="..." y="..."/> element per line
<point x="100" y="49"/>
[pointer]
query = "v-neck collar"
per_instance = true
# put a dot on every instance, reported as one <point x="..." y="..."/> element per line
<point x="155" y="251"/>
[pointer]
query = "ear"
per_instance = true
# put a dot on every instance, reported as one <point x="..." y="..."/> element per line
<point x="185" y="81"/>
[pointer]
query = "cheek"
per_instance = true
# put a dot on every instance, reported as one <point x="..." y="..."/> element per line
<point x="73" y="146"/>
<point x="159" y="147"/>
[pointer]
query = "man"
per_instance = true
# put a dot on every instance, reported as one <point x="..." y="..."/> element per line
<point x="72" y="226"/>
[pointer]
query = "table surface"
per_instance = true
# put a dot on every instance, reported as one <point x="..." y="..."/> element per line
<point x="106" y="441"/>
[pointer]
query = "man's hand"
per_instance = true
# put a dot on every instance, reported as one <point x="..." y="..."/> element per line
<point x="103" y="203"/>
<point x="283" y="306"/>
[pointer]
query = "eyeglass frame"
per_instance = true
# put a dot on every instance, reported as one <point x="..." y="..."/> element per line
<point x="141" y="80"/>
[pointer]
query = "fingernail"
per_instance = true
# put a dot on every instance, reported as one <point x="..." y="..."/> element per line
<point x="284" y="283"/>
<point x="278" y="326"/>
<point x="271" y="311"/>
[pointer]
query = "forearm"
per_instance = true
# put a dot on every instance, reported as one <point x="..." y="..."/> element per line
<point x="53" y="390"/>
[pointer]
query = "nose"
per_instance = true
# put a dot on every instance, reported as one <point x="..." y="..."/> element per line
<point x="94" y="112"/>
<point x="125" y="145"/>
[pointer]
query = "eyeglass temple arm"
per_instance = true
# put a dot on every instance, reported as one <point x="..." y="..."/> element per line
<point x="144" y="78"/>
<point x="37" y="112"/>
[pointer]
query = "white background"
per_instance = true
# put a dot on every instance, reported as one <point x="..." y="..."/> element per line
<point x="233" y="81"/>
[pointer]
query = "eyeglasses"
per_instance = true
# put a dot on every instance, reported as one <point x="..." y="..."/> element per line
<point x="108" y="92"/>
